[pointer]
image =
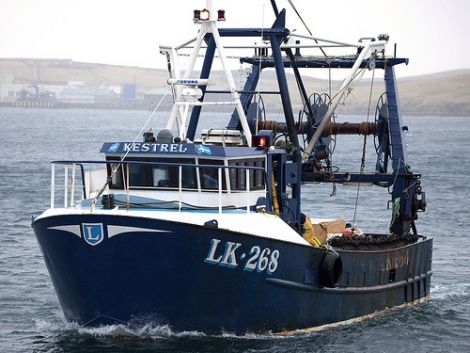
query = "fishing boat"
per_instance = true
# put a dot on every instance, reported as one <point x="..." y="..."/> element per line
<point x="203" y="229"/>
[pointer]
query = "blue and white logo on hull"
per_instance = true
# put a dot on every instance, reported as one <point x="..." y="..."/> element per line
<point x="93" y="233"/>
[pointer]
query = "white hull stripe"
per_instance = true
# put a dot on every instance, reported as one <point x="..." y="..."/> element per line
<point x="116" y="230"/>
<point x="74" y="229"/>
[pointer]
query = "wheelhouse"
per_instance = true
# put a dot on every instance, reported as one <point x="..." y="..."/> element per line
<point x="183" y="176"/>
<point x="198" y="174"/>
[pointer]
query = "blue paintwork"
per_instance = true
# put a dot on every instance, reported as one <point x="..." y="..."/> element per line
<point x="399" y="154"/>
<point x="162" y="276"/>
<point x="321" y="63"/>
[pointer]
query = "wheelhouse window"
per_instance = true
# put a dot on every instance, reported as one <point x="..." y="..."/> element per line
<point x="116" y="172"/>
<point x="153" y="175"/>
<point x="238" y="175"/>
<point x="139" y="175"/>
<point x="164" y="174"/>
<point x="210" y="175"/>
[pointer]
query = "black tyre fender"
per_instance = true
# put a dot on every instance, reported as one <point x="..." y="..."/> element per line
<point x="330" y="270"/>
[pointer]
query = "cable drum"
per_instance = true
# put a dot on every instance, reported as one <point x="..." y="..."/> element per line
<point x="330" y="270"/>
<point x="382" y="135"/>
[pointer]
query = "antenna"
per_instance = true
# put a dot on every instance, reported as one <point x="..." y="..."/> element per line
<point x="305" y="25"/>
<point x="276" y="13"/>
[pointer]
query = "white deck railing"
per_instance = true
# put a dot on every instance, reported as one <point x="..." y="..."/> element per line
<point x="76" y="187"/>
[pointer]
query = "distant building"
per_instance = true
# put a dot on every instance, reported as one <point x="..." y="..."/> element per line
<point x="7" y="89"/>
<point x="6" y="77"/>
<point x="14" y="92"/>
<point x="78" y="93"/>
<point x="129" y="91"/>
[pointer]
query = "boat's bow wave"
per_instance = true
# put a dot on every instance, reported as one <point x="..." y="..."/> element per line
<point x="137" y="329"/>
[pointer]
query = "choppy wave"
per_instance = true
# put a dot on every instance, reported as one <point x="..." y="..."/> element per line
<point x="442" y="292"/>
<point x="149" y="330"/>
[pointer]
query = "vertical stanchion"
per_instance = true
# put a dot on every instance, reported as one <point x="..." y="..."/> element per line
<point x="127" y="186"/>
<point x="219" y="174"/>
<point x="247" y="181"/>
<point x="72" y="188"/>
<point x="52" y="184"/>
<point x="180" y="184"/>
<point x="66" y="184"/>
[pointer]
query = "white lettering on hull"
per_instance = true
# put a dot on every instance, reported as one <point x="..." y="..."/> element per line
<point x="259" y="260"/>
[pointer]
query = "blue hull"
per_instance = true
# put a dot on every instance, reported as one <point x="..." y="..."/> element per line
<point x="197" y="278"/>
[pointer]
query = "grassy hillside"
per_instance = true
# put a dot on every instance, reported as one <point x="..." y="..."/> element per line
<point x="445" y="93"/>
<point x="51" y="70"/>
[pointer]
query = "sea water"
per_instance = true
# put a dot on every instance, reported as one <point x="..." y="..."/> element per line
<point x="30" y="316"/>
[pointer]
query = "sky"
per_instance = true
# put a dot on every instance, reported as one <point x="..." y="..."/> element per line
<point x="434" y="34"/>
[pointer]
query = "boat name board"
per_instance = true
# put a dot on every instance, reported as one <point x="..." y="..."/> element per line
<point x="197" y="149"/>
<point x="258" y="259"/>
<point x="153" y="147"/>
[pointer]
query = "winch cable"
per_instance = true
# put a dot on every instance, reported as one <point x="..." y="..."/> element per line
<point x="305" y="25"/>
<point x="364" y="145"/>
<point x="356" y="78"/>
<point x="114" y="170"/>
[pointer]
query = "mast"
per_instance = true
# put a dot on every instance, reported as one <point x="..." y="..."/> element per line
<point x="407" y="196"/>
<point x="192" y="95"/>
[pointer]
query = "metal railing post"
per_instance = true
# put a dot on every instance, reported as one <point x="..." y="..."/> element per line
<point x="180" y="183"/>
<point x="72" y="188"/>
<point x="52" y="184"/>
<point x="127" y="186"/>
<point x="247" y="175"/>
<point x="66" y="184"/>
<point x="219" y="174"/>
